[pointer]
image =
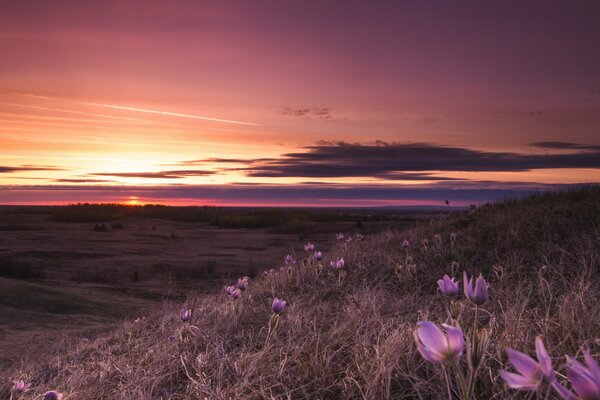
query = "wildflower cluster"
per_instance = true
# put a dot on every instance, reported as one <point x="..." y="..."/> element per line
<point x="20" y="388"/>
<point x="446" y="347"/>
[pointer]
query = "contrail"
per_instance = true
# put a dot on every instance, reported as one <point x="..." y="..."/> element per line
<point x="145" y="110"/>
<point x="73" y="112"/>
<point x="118" y="107"/>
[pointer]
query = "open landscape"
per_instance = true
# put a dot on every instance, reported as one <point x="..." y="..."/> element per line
<point x="70" y="272"/>
<point x="299" y="200"/>
<point x="345" y="332"/>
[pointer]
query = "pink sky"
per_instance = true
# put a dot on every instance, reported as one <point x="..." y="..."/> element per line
<point x="117" y="94"/>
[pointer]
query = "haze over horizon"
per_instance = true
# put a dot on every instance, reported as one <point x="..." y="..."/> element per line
<point x="296" y="103"/>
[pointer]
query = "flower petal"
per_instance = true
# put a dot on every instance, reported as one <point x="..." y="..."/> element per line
<point x="430" y="355"/>
<point x="481" y="293"/>
<point x="543" y="357"/>
<point x="467" y="286"/>
<point x="519" y="382"/>
<point x="524" y="364"/>
<point x="431" y="336"/>
<point x="593" y="366"/>
<point x="583" y="385"/>
<point x="456" y="340"/>
<point x="563" y="392"/>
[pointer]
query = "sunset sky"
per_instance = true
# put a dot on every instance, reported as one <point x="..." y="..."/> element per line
<point x="318" y="103"/>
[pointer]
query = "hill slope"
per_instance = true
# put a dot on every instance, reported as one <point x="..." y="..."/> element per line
<point x="350" y="334"/>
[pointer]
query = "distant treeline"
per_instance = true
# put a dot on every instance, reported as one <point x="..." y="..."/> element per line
<point x="228" y="217"/>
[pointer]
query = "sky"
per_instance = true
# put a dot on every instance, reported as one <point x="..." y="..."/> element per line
<point x="296" y="103"/>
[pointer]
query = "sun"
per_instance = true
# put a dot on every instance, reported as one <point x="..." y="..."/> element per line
<point x="133" y="201"/>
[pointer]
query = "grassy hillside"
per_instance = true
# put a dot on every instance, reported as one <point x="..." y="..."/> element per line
<point x="349" y="333"/>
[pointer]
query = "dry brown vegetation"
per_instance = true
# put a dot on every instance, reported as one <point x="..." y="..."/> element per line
<point x="352" y="336"/>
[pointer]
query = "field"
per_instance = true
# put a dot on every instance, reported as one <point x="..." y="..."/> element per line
<point x="68" y="273"/>
<point x="349" y="332"/>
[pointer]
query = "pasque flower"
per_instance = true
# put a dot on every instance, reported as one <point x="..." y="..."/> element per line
<point x="476" y="292"/>
<point x="531" y="373"/>
<point x="289" y="259"/>
<point x="338" y="263"/>
<point x="405" y="243"/>
<point x="242" y="283"/>
<point x="448" y="286"/>
<point x="185" y="315"/>
<point x="278" y="305"/>
<point x="585" y="379"/>
<point x="19" y="387"/>
<point x="339" y="237"/>
<point x="309" y="247"/>
<point x="318" y="255"/>
<point x="52" y="395"/>
<point x="437" y="347"/>
<point x="233" y="292"/>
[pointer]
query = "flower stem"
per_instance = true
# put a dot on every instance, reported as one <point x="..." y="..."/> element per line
<point x="447" y="380"/>
<point x="464" y="391"/>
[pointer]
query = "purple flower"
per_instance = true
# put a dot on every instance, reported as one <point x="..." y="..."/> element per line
<point x="437" y="347"/>
<point x="359" y="237"/>
<point x="476" y="292"/>
<point x="318" y="255"/>
<point x="339" y="237"/>
<point x="268" y="272"/>
<point x="585" y="379"/>
<point x="233" y="292"/>
<point x="349" y="239"/>
<point x="19" y="387"/>
<point x="338" y="263"/>
<point x="406" y="244"/>
<point x="278" y="305"/>
<point x="185" y="315"/>
<point x="229" y="290"/>
<point x="531" y="373"/>
<point x="448" y="286"/>
<point x="288" y="259"/>
<point x="242" y="283"/>
<point x="309" y="247"/>
<point x="52" y="395"/>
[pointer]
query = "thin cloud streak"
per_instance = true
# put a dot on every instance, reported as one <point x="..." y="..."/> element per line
<point x="145" y="110"/>
<point x="24" y="168"/>
<point x="74" y="112"/>
<point x="178" y="174"/>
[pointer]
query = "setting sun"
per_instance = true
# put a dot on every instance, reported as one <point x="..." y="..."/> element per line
<point x="133" y="201"/>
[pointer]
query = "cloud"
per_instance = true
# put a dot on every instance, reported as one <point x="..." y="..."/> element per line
<point x="205" y="161"/>
<point x="25" y="168"/>
<point x="319" y="112"/>
<point x="169" y="113"/>
<point x="565" y="146"/>
<point x="177" y="174"/>
<point x="66" y="180"/>
<point x="413" y="160"/>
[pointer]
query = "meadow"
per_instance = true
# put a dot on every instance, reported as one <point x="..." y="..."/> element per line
<point x="72" y="272"/>
<point x="363" y="319"/>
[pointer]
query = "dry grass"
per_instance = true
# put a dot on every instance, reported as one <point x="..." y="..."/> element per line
<point x="354" y="340"/>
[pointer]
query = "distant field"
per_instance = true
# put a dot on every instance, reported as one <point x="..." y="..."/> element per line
<point x="71" y="271"/>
